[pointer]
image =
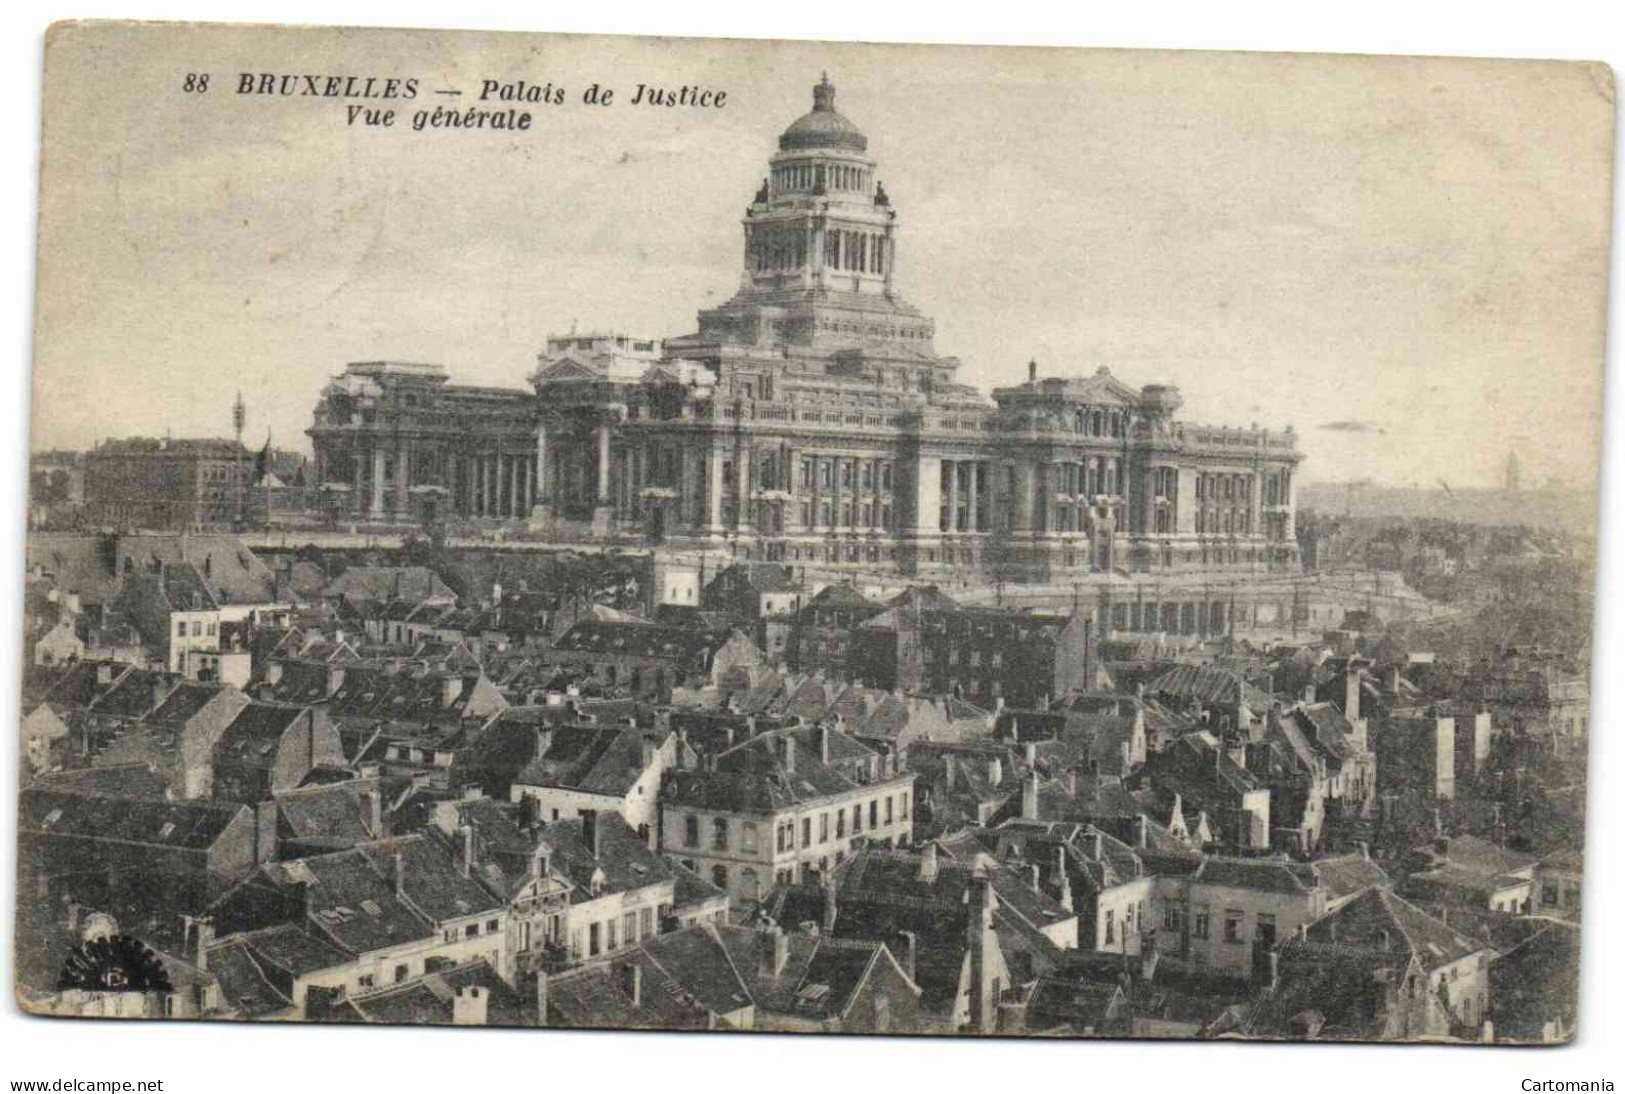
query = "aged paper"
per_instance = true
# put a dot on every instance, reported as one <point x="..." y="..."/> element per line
<point x="811" y="537"/>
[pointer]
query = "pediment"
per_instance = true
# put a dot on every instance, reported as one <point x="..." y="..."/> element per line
<point x="568" y="368"/>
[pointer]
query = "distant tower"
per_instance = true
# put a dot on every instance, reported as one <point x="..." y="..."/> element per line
<point x="239" y="418"/>
<point x="1514" y="474"/>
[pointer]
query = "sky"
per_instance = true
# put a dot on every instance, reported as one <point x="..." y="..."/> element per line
<point x="1404" y="259"/>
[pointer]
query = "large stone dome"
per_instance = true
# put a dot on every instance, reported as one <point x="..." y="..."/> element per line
<point x="823" y="127"/>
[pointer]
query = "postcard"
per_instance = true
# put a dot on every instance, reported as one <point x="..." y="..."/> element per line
<point x="679" y="534"/>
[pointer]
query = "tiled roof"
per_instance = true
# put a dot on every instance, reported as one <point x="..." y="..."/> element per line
<point x="625" y="860"/>
<point x="243" y="984"/>
<point x="593" y="759"/>
<point x="636" y="640"/>
<point x="753" y="776"/>
<point x="1346" y="875"/>
<point x="254" y="735"/>
<point x="294" y="949"/>
<point x="1206" y="684"/>
<point x="409" y="583"/>
<point x="1379" y="920"/>
<point x="182" y="825"/>
<point x="429" y="999"/>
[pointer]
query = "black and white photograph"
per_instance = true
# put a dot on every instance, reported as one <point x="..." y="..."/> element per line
<point x="719" y="535"/>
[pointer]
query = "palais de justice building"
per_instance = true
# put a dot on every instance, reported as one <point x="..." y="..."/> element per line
<point x="810" y="419"/>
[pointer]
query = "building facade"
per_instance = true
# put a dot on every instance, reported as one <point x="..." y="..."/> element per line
<point x="158" y="483"/>
<point x="810" y="419"/>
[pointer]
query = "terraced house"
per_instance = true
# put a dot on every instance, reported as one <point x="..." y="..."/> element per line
<point x="779" y="803"/>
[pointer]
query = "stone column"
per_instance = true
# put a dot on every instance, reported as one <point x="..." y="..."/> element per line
<point x="358" y="490"/>
<point x="542" y="494"/>
<point x="403" y="456"/>
<point x="377" y="481"/>
<point x="975" y="468"/>
<point x="515" y="467"/>
<point x="1021" y="509"/>
<point x="713" y="493"/>
<point x="493" y="485"/>
<point x="952" y="467"/>
<point x="602" y="497"/>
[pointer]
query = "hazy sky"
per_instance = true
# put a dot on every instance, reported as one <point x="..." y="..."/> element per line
<point x="1405" y="259"/>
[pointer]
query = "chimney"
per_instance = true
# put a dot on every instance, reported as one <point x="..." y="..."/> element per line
<point x="75" y="913"/>
<point x="1393" y="681"/>
<point x="265" y="833"/>
<point x="590" y="831"/>
<point x="1063" y="884"/>
<point x="928" y="863"/>
<point x="541" y="997"/>
<point x="1309" y="695"/>
<point x="467" y="864"/>
<point x="1100" y="845"/>
<point x="1351" y="695"/>
<point x="1031" y="754"/>
<point x="773" y="952"/>
<point x="1365" y="850"/>
<point x="1303" y="932"/>
<point x="995" y="771"/>
<point x="1275" y="970"/>
<point x="1029" y="796"/>
<point x="950" y="763"/>
<point x="1142" y="832"/>
<point x="823" y="743"/>
<point x="910" y="952"/>
<point x="160" y="688"/>
<point x="789" y="754"/>
<point x="1032" y="372"/>
<point x="468" y="1006"/>
<point x="1127" y="757"/>
<point x="1438" y="823"/>
<point x="451" y="686"/>
<point x="496" y="594"/>
<point x="981" y="938"/>
<point x="400" y="876"/>
<point x="632" y="983"/>
<point x="1072" y="782"/>
<point x="1032" y="878"/>
<point x="372" y="808"/>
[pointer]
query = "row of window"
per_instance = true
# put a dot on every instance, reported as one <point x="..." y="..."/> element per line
<point x="1229" y="487"/>
<point x="1233" y="522"/>
<point x="612" y="933"/>
<point x="823" y="473"/>
<point x="472" y="930"/>
<point x="820" y="176"/>
<point x="880" y="812"/>
<point x="199" y="628"/>
<point x="831" y="517"/>
<point x="1201" y="924"/>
